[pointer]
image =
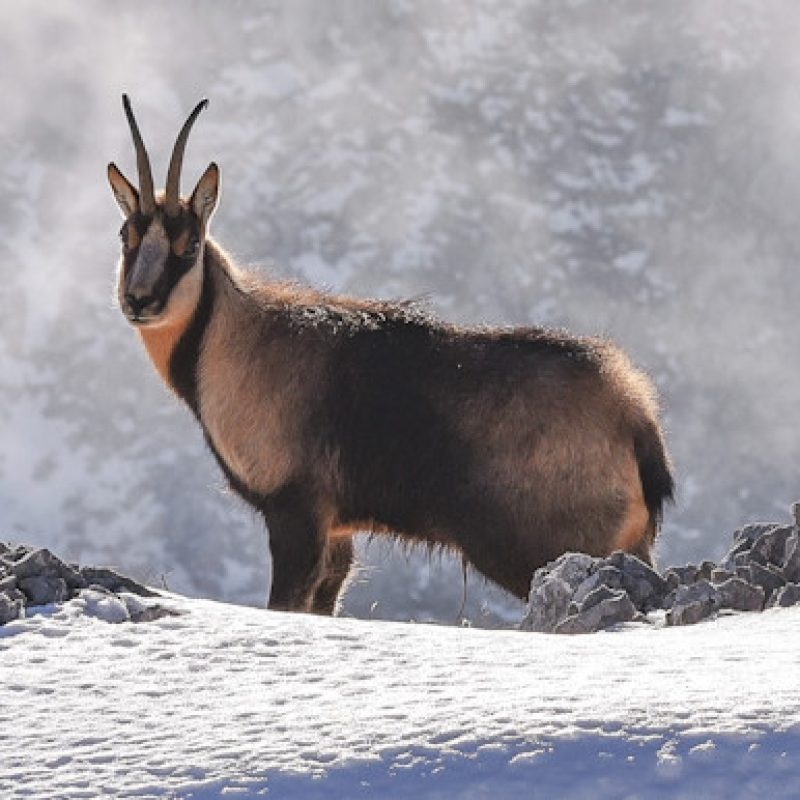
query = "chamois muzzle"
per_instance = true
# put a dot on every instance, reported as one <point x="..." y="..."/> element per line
<point x="141" y="309"/>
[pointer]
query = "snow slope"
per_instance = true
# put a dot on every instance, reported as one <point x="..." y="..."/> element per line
<point x="226" y="701"/>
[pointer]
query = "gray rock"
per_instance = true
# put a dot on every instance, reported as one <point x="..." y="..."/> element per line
<point x="682" y="576"/>
<point x="796" y="514"/>
<point x="547" y="606"/>
<point x="151" y="613"/>
<point x="669" y="599"/>
<point x="740" y="595"/>
<point x="609" y="576"/>
<point x="644" y="585"/>
<point x="749" y="533"/>
<point x="96" y="587"/>
<point x="769" y="547"/>
<point x="41" y="590"/>
<point x="609" y="611"/>
<point x="788" y="595"/>
<point x="144" y="611"/>
<point x="111" y="579"/>
<point x="693" y="603"/>
<point x="791" y="561"/>
<point x="720" y="575"/>
<point x="573" y="568"/>
<point x="10" y="608"/>
<point x="765" y="577"/>
<point x="601" y="593"/>
<point x="19" y="551"/>
<point x="552" y="588"/>
<point x="738" y="554"/>
<point x="740" y="546"/>
<point x="35" y="562"/>
<point x="706" y="568"/>
<point x="42" y="562"/>
<point x="16" y="594"/>
<point x="34" y="576"/>
<point x="745" y="539"/>
<point x="586" y="587"/>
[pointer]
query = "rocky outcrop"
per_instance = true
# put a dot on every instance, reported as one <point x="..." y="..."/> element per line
<point x="581" y="594"/>
<point x="35" y="577"/>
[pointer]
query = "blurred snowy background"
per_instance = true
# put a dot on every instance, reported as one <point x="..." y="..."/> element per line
<point x="622" y="168"/>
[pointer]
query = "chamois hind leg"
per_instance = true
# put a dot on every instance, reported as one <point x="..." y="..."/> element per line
<point x="298" y="555"/>
<point x="338" y="561"/>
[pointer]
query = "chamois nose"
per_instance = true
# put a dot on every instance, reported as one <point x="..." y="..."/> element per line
<point x="137" y="306"/>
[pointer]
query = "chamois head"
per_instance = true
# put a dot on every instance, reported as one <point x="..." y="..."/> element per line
<point x="160" y="272"/>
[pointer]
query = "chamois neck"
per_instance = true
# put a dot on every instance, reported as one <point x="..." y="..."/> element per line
<point x="185" y="355"/>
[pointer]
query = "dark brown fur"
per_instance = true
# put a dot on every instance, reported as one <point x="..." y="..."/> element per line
<point x="332" y="415"/>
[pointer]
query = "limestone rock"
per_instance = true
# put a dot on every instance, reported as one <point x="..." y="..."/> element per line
<point x="41" y="562"/>
<point x="765" y="577"/>
<point x="10" y="609"/>
<point x="740" y="595"/>
<point x="602" y="592"/>
<point x="645" y="587"/>
<point x="788" y="595"/>
<point x="769" y="547"/>
<point x="609" y="611"/>
<point x="547" y="606"/>
<point x="791" y="561"/>
<point x="112" y="580"/>
<point x="693" y="603"/>
<point x="42" y="590"/>
<point x="552" y="589"/>
<point x="682" y="576"/>
<point x="720" y="575"/>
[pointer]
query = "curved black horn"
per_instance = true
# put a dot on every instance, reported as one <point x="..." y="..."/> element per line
<point x="172" y="193"/>
<point x="147" y="198"/>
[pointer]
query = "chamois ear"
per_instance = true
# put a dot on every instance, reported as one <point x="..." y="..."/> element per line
<point x="126" y="196"/>
<point x="205" y="194"/>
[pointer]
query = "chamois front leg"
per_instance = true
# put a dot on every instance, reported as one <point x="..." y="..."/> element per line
<point x="297" y="545"/>
<point x="338" y="561"/>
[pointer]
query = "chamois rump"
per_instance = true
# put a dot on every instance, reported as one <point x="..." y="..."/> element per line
<point x="333" y="415"/>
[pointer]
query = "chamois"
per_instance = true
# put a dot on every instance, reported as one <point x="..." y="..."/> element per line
<point x="332" y="415"/>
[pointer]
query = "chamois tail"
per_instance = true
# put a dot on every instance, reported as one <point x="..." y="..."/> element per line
<point x="655" y="472"/>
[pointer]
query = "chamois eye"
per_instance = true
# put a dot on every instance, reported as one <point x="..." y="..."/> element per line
<point x="192" y="246"/>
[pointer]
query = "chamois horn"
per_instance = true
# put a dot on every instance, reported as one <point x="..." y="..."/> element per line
<point x="172" y="194"/>
<point x="147" y="197"/>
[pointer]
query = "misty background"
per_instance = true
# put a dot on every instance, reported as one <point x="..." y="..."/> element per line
<point x="622" y="168"/>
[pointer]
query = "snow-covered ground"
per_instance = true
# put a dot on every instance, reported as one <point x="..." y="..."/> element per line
<point x="227" y="701"/>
